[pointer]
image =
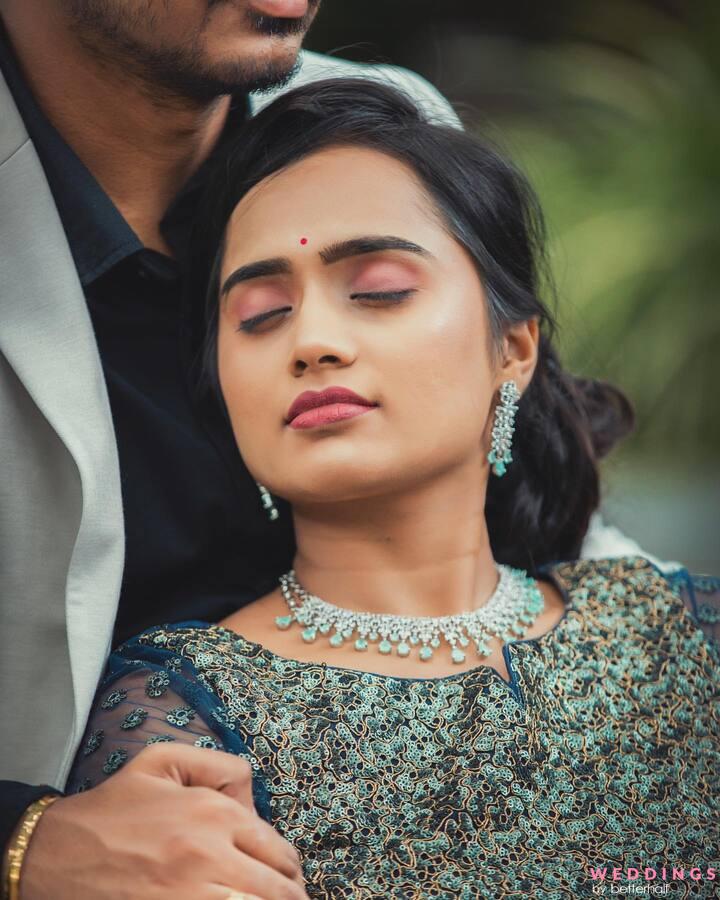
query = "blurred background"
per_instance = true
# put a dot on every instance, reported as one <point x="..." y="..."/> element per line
<point x="613" y="110"/>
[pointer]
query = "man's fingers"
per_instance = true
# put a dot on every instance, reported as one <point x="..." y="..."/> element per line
<point x="254" y="877"/>
<point x="222" y="892"/>
<point x="259" y="839"/>
<point x="199" y="767"/>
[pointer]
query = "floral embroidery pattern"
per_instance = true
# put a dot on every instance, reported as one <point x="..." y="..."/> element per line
<point x="95" y="739"/>
<point x="159" y="739"/>
<point x="134" y="718"/>
<point x="157" y="684"/>
<point x="206" y="741"/>
<point x="114" y="760"/>
<point x="113" y="698"/>
<point x="181" y="716"/>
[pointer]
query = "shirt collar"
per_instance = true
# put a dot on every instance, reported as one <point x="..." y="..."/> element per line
<point x="98" y="235"/>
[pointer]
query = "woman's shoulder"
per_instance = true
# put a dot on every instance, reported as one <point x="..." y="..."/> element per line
<point x="195" y="649"/>
<point x="176" y="637"/>
<point x="634" y="586"/>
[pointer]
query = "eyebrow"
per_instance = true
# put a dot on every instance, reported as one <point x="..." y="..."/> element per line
<point x="280" y="265"/>
<point x="369" y="244"/>
<point x="277" y="266"/>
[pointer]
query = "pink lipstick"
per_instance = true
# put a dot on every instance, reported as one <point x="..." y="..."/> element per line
<point x="334" y="404"/>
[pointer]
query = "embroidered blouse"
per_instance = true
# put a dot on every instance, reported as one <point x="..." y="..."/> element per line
<point x="601" y="752"/>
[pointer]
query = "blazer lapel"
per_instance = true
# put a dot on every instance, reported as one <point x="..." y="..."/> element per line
<point x="47" y="338"/>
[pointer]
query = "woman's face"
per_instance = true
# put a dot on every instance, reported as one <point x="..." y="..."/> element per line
<point x="338" y="273"/>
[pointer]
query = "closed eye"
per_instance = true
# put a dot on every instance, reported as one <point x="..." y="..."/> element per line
<point x="252" y="323"/>
<point x="383" y="296"/>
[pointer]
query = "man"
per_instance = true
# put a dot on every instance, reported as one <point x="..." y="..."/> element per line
<point x="108" y="109"/>
<point x="116" y="504"/>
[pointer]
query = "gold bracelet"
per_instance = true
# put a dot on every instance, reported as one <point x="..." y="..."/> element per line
<point x="20" y="843"/>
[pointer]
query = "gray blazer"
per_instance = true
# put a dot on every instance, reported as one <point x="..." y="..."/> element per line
<point x="61" y="517"/>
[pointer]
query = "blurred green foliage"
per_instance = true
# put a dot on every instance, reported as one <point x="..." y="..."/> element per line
<point x="631" y="188"/>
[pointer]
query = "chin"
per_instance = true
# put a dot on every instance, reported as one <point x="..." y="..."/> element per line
<point x="341" y="482"/>
<point x="267" y="68"/>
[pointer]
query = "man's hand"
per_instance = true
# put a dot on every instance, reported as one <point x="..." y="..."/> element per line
<point x="176" y="823"/>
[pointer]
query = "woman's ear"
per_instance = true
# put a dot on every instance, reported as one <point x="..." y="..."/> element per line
<point x="520" y="353"/>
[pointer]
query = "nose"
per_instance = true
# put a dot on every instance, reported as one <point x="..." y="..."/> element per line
<point x="322" y="338"/>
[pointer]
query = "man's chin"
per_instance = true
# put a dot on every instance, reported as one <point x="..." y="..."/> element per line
<point x="274" y="75"/>
<point x="203" y="84"/>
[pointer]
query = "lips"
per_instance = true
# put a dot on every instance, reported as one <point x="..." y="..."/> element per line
<point x="322" y="407"/>
<point x="286" y="9"/>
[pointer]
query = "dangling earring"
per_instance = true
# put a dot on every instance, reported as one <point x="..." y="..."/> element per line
<point x="267" y="501"/>
<point x="499" y="456"/>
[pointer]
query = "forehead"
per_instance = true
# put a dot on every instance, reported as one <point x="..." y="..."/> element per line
<point x="331" y="194"/>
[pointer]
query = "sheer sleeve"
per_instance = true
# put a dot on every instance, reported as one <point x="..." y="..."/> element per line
<point x="148" y="696"/>
<point x="701" y="595"/>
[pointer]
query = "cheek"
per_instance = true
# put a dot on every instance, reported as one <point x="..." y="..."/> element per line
<point x="243" y="389"/>
<point x="444" y="365"/>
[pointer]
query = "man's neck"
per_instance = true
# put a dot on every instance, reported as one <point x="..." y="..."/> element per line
<point x="141" y="151"/>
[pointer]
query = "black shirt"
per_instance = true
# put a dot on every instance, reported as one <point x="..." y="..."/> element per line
<point x="199" y="543"/>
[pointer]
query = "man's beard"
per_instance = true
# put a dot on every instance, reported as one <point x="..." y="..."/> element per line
<point x="109" y="34"/>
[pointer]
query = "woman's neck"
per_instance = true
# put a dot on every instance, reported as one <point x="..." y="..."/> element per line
<point x="422" y="552"/>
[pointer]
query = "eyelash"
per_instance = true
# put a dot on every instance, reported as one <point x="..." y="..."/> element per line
<point x="384" y="296"/>
<point x="381" y="296"/>
<point x="250" y="324"/>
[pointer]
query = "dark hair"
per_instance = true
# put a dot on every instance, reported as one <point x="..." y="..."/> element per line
<point x="539" y="511"/>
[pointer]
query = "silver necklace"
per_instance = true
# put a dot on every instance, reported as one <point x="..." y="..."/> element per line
<point x="514" y="605"/>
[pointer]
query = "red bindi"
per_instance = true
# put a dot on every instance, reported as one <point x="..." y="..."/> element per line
<point x="303" y="240"/>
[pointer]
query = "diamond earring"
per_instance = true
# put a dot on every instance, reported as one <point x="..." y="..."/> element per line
<point x="499" y="456"/>
<point x="267" y="501"/>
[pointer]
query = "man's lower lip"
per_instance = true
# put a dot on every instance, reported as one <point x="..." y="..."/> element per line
<point x="326" y="415"/>
<point x="286" y="9"/>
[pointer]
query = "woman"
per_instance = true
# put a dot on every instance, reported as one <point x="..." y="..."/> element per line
<point x="385" y="360"/>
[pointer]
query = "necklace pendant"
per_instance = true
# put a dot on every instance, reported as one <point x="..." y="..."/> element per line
<point x="309" y="635"/>
<point x="457" y="655"/>
<point x="361" y="644"/>
<point x="337" y="639"/>
<point x="283" y="622"/>
<point x="426" y="653"/>
<point x="403" y="649"/>
<point x="385" y="646"/>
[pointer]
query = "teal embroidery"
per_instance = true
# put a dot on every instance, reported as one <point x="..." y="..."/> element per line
<point x="113" y="698"/>
<point x="206" y="741"/>
<point x="181" y="716"/>
<point x="115" y="760"/>
<point x="94" y="740"/>
<point x="159" y="739"/>
<point x="157" y="684"/>
<point x="134" y="718"/>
